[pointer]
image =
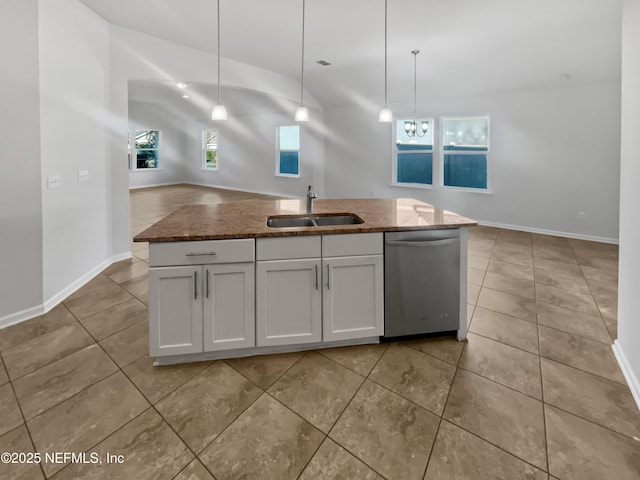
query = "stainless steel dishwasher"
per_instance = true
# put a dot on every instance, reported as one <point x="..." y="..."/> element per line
<point x="422" y="282"/>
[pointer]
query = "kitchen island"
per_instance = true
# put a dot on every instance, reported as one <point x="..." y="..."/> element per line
<point x="223" y="283"/>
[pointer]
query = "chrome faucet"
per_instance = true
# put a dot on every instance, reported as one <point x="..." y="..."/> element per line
<point x="310" y="196"/>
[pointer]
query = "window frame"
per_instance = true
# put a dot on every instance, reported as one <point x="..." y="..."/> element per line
<point x="135" y="150"/>
<point x="394" y="161"/>
<point x="204" y="150"/>
<point x="278" y="150"/>
<point x="443" y="152"/>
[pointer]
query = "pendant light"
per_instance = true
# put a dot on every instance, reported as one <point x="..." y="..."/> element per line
<point x="411" y="126"/>
<point x="385" y="115"/>
<point x="302" y="114"/>
<point x="219" y="112"/>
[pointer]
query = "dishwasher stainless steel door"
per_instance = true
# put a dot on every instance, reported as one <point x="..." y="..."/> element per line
<point x="422" y="282"/>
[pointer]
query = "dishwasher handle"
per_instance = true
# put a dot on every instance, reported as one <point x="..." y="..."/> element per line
<point x="422" y="243"/>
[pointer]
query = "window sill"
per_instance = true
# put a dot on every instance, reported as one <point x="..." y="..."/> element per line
<point x="287" y="175"/>
<point x="205" y="169"/>
<point x="411" y="185"/>
<point x="135" y="170"/>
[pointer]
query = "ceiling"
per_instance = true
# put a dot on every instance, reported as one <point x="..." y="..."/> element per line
<point x="467" y="46"/>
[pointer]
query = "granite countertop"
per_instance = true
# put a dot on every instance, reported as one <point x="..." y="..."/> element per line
<point x="249" y="219"/>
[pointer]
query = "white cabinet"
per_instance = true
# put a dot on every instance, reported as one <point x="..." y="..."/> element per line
<point x="352" y="300"/>
<point x="204" y="303"/>
<point x="315" y="289"/>
<point x="288" y="291"/>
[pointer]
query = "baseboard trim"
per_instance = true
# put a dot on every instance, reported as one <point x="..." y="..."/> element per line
<point x="544" y="231"/>
<point x="627" y="371"/>
<point x="246" y="190"/>
<point x="137" y="187"/>
<point x="57" y="298"/>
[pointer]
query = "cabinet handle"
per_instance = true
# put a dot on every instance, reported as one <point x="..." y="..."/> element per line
<point x="207" y="282"/>
<point x="328" y="277"/>
<point x="315" y="267"/>
<point x="195" y="285"/>
<point x="197" y="254"/>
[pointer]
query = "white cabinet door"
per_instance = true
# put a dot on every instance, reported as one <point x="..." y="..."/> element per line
<point x="175" y="310"/>
<point x="229" y="306"/>
<point x="288" y="302"/>
<point x="352" y="297"/>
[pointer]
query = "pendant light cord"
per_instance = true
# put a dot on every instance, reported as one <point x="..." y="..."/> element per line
<point x="302" y="64"/>
<point x="415" y="80"/>
<point x="218" y="52"/>
<point x="385" y="53"/>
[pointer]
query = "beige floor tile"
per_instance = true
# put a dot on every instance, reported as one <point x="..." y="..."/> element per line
<point x="509" y="366"/>
<point x="506" y="329"/>
<point x="612" y="327"/>
<point x="10" y="416"/>
<point x="264" y="370"/>
<point x="205" y="405"/>
<point x="563" y="268"/>
<point x="523" y="272"/>
<point x="95" y="297"/>
<point x="578" y="352"/>
<point x="607" y="306"/>
<point x="138" y="287"/>
<point x="475" y="276"/>
<point x="387" y="432"/>
<point x="599" y="275"/>
<point x="606" y="265"/>
<point x="17" y="440"/>
<point x="267" y="441"/>
<point x="332" y="462"/>
<point x="317" y="389"/>
<point x="553" y="253"/>
<point x="157" y="382"/>
<point x="565" y="298"/>
<point x="508" y="303"/>
<point x="479" y="263"/>
<point x="4" y="378"/>
<point x="30" y="329"/>
<point x="523" y="258"/>
<point x="87" y="418"/>
<point x="115" y="318"/>
<point x="594" y="398"/>
<point x="151" y="450"/>
<point x="577" y="323"/>
<point x="423" y="379"/>
<point x="470" y="310"/>
<point x="517" y="286"/>
<point x="129" y="345"/>
<point x="447" y="348"/>
<point x="33" y="354"/>
<point x="473" y="291"/>
<point x="126" y="270"/>
<point x="359" y="358"/>
<point x="459" y="455"/>
<point x="573" y="282"/>
<point x="195" y="471"/>
<point x="54" y="383"/>
<point x="481" y="248"/>
<point x="504" y="417"/>
<point x="142" y="254"/>
<point x="579" y="449"/>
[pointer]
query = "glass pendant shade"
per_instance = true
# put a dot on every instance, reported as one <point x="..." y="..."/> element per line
<point x="385" y="115"/>
<point x="219" y="112"/>
<point x="302" y="114"/>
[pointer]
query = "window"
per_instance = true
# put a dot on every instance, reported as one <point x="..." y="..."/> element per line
<point x="147" y="147"/>
<point x="288" y="161"/>
<point x="465" y="146"/>
<point x="414" y="155"/>
<point x="210" y="149"/>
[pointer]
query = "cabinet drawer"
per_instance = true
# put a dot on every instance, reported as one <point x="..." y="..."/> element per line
<point x="352" y="244"/>
<point x="283" y="248"/>
<point x="201" y="252"/>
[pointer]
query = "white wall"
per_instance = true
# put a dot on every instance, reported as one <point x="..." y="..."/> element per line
<point x="74" y="116"/>
<point x="20" y="197"/>
<point x="247" y="155"/>
<point x="626" y="347"/>
<point x="149" y="116"/>
<point x="554" y="153"/>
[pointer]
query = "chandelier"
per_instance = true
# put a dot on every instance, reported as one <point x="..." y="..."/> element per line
<point x="411" y="126"/>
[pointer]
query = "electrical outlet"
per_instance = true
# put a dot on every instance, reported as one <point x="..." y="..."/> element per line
<point x="54" y="182"/>
<point x="581" y="216"/>
<point x="83" y="175"/>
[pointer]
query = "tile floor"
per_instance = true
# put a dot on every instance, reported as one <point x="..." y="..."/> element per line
<point x="535" y="393"/>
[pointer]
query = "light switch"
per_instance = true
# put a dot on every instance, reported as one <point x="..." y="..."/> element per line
<point x="83" y="175"/>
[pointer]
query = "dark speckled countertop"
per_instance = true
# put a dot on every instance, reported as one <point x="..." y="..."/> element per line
<point x="249" y="219"/>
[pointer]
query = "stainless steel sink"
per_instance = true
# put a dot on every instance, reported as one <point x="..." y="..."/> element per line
<point x="320" y="220"/>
